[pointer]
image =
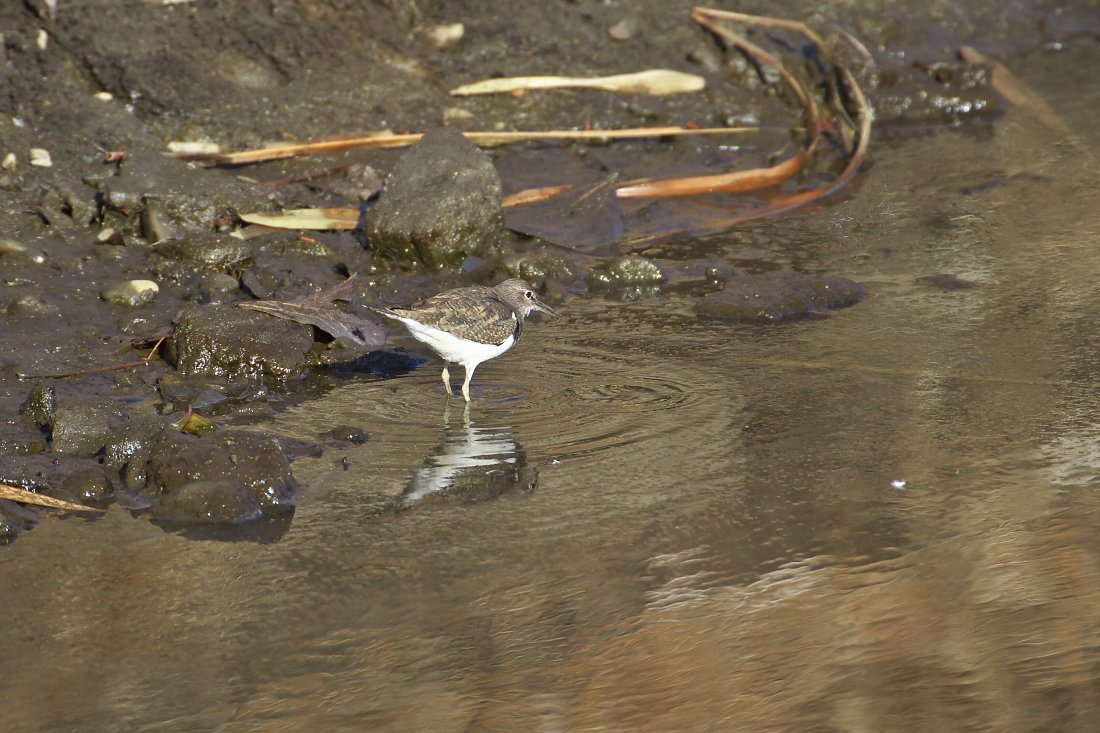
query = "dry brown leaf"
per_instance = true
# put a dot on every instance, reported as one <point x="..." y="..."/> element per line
<point x="651" y="81"/>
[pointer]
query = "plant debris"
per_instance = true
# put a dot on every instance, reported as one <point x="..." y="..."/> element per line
<point x="657" y="82"/>
<point x="320" y="310"/>
<point x="11" y="493"/>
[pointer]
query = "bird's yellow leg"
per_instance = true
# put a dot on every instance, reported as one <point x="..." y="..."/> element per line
<point x="447" y="380"/>
<point x="466" y="383"/>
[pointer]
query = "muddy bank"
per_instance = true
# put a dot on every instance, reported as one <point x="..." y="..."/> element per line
<point x="99" y="95"/>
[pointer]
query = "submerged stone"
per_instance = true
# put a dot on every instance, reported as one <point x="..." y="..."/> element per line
<point x="442" y="202"/>
<point x="773" y="296"/>
<point x="220" y="501"/>
<point x="537" y="266"/>
<point x="946" y="282"/>
<point x="223" y="478"/>
<point x="632" y="270"/>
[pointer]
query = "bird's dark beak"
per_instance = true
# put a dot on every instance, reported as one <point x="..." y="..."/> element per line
<point x="540" y="306"/>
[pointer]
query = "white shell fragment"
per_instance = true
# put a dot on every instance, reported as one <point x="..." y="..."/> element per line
<point x="40" y="158"/>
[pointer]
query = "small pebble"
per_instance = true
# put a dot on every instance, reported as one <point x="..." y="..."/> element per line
<point x="131" y="293"/>
<point x="444" y="36"/>
<point x="623" y="30"/>
<point x="40" y="158"/>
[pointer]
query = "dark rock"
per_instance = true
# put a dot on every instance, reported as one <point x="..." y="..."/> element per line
<point x="221" y="501"/>
<point x="345" y="435"/>
<point x="77" y="424"/>
<point x="223" y="477"/>
<point x="538" y="266"/>
<point x="441" y="203"/>
<point x="213" y="251"/>
<point x="360" y="182"/>
<point x="88" y="484"/>
<point x="630" y="270"/>
<point x="40" y="404"/>
<point x="172" y="197"/>
<point x="219" y="282"/>
<point x="32" y="306"/>
<point x="776" y="295"/>
<point x="296" y="448"/>
<point x="224" y="340"/>
<point x="129" y="441"/>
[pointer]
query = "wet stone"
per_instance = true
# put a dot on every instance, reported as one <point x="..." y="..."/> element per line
<point x="219" y="282"/>
<point x="88" y="484"/>
<point x="40" y="404"/>
<point x="218" y="501"/>
<point x="777" y="295"/>
<point x="132" y="293"/>
<point x="213" y="251"/>
<point x="137" y="324"/>
<point x="441" y="203"/>
<point x="631" y="270"/>
<point x="221" y="477"/>
<point x="82" y="426"/>
<point x="179" y="197"/>
<point x="536" y="267"/>
<point x="345" y="435"/>
<point x="223" y="340"/>
<point x="14" y="252"/>
<point x="77" y="424"/>
<point x="31" y="306"/>
<point x="628" y="278"/>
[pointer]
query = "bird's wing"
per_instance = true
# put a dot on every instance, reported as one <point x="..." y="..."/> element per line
<point x="476" y="314"/>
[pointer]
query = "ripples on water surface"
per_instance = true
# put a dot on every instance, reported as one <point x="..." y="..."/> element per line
<point x="883" y="520"/>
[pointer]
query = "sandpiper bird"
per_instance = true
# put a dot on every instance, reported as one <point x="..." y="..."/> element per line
<point x="470" y="325"/>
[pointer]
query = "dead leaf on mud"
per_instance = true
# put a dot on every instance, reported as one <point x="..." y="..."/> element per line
<point x="195" y="424"/>
<point x="657" y="82"/>
<point x="320" y="310"/>
<point x="586" y="219"/>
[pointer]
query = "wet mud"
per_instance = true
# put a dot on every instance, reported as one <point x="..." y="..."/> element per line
<point x="702" y="442"/>
<point x="111" y="245"/>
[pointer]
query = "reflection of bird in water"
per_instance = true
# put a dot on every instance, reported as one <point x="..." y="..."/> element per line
<point x="470" y="325"/>
<point x="473" y="464"/>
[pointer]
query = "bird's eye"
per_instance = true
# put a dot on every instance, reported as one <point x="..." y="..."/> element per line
<point x="528" y="295"/>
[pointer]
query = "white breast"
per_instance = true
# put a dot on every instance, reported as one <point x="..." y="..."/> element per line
<point x="452" y="348"/>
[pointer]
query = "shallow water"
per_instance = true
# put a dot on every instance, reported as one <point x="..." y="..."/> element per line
<point x="882" y="520"/>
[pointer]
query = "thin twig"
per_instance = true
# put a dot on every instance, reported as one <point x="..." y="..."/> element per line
<point x="12" y="493"/>
<point x="392" y="140"/>
<point x="116" y="367"/>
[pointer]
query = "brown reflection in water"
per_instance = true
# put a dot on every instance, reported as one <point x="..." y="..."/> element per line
<point x="991" y="631"/>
